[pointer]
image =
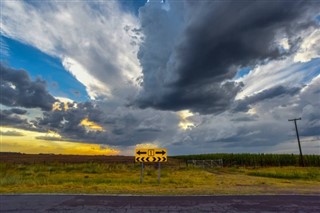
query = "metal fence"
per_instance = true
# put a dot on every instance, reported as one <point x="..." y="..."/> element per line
<point x="205" y="163"/>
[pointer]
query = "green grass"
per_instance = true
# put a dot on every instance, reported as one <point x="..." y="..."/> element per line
<point x="309" y="173"/>
<point x="175" y="179"/>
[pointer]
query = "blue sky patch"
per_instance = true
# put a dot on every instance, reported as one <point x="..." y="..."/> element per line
<point x="132" y="5"/>
<point x="242" y="72"/>
<point x="60" y="82"/>
<point x="313" y="69"/>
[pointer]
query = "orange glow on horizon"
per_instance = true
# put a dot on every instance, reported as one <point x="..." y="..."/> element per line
<point x="34" y="143"/>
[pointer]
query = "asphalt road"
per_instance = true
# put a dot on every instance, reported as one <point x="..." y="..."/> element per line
<point x="101" y="203"/>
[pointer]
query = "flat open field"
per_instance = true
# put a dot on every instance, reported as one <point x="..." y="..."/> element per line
<point x="17" y="158"/>
<point x="120" y="175"/>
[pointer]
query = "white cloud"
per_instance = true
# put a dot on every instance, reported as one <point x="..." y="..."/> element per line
<point x="290" y="71"/>
<point x="94" y="87"/>
<point x="284" y="43"/>
<point x="4" y="49"/>
<point x="310" y="47"/>
<point x="281" y="72"/>
<point x="269" y="75"/>
<point x="92" y="39"/>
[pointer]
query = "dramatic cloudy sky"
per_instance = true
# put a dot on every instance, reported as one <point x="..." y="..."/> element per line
<point x="104" y="77"/>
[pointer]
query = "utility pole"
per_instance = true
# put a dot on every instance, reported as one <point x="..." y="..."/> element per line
<point x="295" y="124"/>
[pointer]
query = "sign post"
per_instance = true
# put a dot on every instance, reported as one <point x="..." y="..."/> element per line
<point x="145" y="155"/>
<point x="141" y="173"/>
<point x="159" y="171"/>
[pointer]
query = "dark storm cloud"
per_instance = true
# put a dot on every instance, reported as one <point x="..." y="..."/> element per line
<point x="231" y="33"/>
<point x="312" y="128"/>
<point x="14" y="111"/>
<point x="68" y="121"/>
<point x="185" y="69"/>
<point x="129" y="127"/>
<point x="7" y="119"/>
<point x="122" y="126"/>
<point x="10" y="119"/>
<point x="49" y="138"/>
<point x="245" y="119"/>
<point x="11" y="133"/>
<point x="311" y="124"/>
<point x="244" y="104"/>
<point x="17" y="89"/>
<point x="252" y="135"/>
<point x="18" y="111"/>
<point x="308" y="109"/>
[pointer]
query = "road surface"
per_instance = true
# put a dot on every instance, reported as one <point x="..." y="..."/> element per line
<point x="102" y="203"/>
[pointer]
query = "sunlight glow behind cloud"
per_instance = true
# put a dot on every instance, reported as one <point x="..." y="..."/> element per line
<point x="91" y="126"/>
<point x="65" y="101"/>
<point x="185" y="123"/>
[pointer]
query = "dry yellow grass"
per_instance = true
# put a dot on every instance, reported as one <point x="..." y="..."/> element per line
<point x="175" y="180"/>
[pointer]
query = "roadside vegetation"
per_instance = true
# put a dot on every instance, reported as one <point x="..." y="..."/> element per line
<point x="176" y="179"/>
<point x="257" y="160"/>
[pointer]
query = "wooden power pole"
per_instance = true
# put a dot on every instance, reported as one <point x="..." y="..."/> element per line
<point x="295" y="124"/>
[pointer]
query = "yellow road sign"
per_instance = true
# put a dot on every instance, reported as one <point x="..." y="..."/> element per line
<point x="151" y="155"/>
